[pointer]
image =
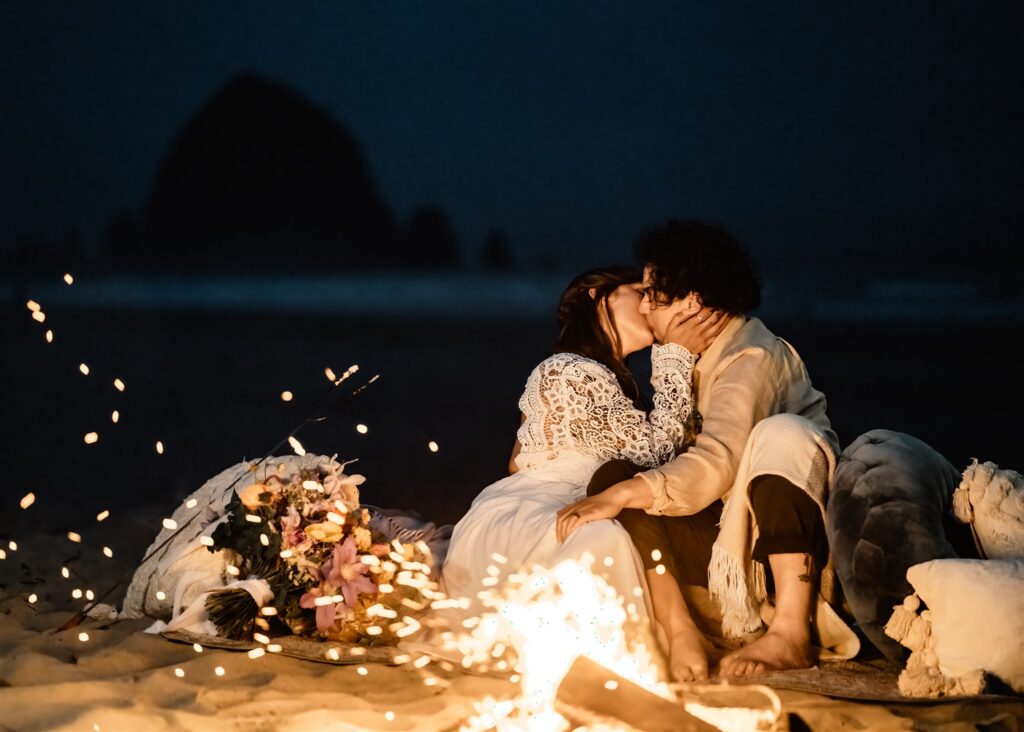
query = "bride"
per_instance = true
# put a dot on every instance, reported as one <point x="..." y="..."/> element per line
<point x="582" y="407"/>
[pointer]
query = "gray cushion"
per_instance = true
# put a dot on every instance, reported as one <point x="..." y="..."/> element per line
<point x="886" y="513"/>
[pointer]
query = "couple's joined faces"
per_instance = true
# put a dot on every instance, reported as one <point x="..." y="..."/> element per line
<point x="656" y="311"/>
<point x="631" y="325"/>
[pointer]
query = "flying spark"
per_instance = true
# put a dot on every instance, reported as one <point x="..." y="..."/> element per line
<point x="104" y="514"/>
<point x="39" y="316"/>
<point x="69" y="279"/>
<point x="91" y="438"/>
<point x="27" y="500"/>
<point x="433" y="446"/>
<point x="84" y="369"/>
<point x="362" y="429"/>
<point x="118" y="384"/>
<point x="114" y="416"/>
<point x="286" y="396"/>
<point x="159" y="448"/>
<point x="49" y="336"/>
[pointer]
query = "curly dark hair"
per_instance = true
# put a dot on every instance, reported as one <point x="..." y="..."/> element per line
<point x="688" y="255"/>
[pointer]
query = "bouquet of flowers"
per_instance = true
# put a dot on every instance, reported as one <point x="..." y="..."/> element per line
<point x="328" y="573"/>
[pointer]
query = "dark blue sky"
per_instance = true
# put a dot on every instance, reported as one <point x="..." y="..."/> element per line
<point x="569" y="125"/>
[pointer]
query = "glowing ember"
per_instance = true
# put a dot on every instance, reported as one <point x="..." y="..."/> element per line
<point x="159" y="448"/>
<point x="296" y="446"/>
<point x="170" y="524"/>
<point x="27" y="500"/>
<point x="39" y="316"/>
<point x="118" y="384"/>
<point x="329" y="373"/>
<point x="33" y="306"/>
<point x="90" y="595"/>
<point x="84" y="368"/>
<point x="32" y="598"/>
<point x="69" y="279"/>
<point x="433" y="446"/>
<point x="102" y="515"/>
<point x="550" y="617"/>
<point x="362" y="429"/>
<point x="108" y="552"/>
<point x="72" y="536"/>
<point x="13" y="545"/>
<point x="91" y="438"/>
<point x="65" y="573"/>
<point x="3" y="554"/>
<point x="49" y="336"/>
<point x="286" y="396"/>
<point x="114" y="416"/>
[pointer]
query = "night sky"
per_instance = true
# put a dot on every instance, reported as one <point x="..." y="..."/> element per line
<point x="810" y="127"/>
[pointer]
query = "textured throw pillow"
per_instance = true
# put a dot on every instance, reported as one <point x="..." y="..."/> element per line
<point x="972" y="624"/>
<point x="888" y="510"/>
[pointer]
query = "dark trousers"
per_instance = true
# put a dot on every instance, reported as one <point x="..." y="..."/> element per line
<point x="788" y="521"/>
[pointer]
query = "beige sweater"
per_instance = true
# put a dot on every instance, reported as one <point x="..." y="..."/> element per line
<point x="746" y="375"/>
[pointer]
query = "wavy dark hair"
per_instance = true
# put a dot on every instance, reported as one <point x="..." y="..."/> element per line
<point x="687" y="256"/>
<point x="579" y="322"/>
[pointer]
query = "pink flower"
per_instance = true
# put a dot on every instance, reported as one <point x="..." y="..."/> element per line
<point x="291" y="532"/>
<point x="343" y="574"/>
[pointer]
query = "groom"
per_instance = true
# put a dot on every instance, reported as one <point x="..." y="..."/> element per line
<point x="765" y="444"/>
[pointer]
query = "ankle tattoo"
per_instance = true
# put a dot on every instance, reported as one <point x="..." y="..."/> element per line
<point x="808" y="575"/>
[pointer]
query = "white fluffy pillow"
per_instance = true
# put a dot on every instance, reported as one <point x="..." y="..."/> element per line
<point x="974" y="622"/>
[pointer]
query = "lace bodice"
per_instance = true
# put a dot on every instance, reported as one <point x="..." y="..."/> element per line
<point x="574" y="406"/>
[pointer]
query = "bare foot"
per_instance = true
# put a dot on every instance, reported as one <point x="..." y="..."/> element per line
<point x="688" y="656"/>
<point x="784" y="646"/>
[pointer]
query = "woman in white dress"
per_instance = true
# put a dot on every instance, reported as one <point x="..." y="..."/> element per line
<point x="581" y="407"/>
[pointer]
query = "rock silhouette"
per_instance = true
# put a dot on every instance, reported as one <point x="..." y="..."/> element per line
<point x="261" y="177"/>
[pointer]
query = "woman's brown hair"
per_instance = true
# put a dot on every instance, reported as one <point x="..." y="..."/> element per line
<point x="579" y="322"/>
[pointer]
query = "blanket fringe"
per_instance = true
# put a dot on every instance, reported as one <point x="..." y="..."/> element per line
<point x="738" y="595"/>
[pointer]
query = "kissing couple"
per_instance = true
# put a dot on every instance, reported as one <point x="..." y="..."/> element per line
<point x="719" y="481"/>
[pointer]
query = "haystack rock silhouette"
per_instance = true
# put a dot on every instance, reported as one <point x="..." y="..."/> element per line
<point x="261" y="178"/>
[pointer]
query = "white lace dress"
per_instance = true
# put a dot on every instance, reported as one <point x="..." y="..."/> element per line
<point x="576" y="418"/>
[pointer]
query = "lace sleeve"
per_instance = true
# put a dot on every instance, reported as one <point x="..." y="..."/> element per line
<point x="574" y="403"/>
<point x="672" y="378"/>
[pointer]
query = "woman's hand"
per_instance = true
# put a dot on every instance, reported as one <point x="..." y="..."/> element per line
<point x="605" y="505"/>
<point x="696" y="331"/>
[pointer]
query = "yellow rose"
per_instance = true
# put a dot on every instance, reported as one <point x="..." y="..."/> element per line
<point x="325" y="531"/>
<point x="363" y="538"/>
<point x="251" y="495"/>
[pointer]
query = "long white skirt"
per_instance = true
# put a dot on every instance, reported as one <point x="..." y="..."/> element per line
<point x="515" y="518"/>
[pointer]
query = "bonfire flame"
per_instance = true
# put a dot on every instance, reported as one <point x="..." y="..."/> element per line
<point x="548" y="618"/>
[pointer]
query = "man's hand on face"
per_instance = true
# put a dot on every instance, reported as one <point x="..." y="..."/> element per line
<point x="695" y="331"/>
